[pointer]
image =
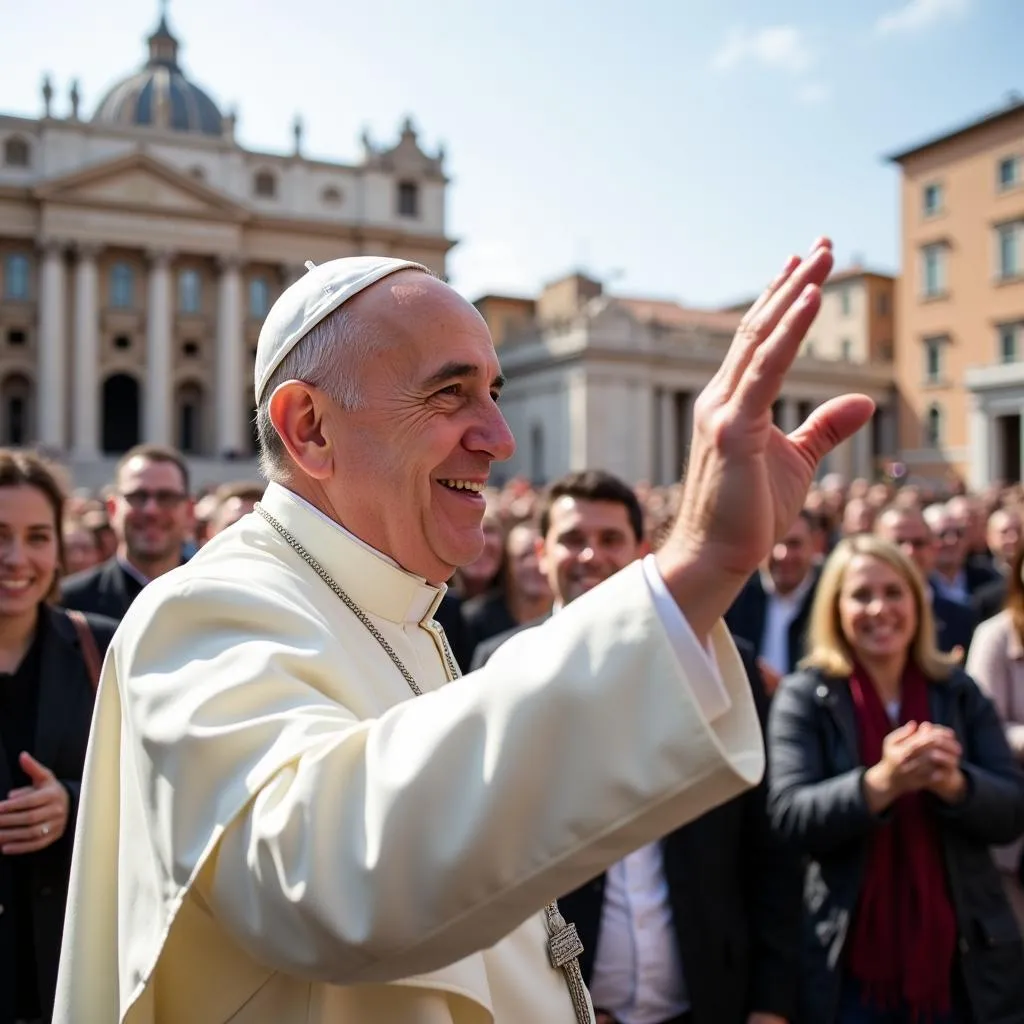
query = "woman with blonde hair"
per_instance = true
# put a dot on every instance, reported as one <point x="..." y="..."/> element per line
<point x="891" y="773"/>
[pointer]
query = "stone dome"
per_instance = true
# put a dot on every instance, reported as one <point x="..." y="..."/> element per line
<point x="160" y="96"/>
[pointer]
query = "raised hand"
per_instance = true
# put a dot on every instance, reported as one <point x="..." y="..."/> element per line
<point x="747" y="480"/>
<point x="33" y="817"/>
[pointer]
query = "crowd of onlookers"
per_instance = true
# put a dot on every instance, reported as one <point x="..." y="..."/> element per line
<point x="874" y="875"/>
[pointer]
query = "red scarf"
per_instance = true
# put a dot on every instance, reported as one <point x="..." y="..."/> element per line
<point x="903" y="940"/>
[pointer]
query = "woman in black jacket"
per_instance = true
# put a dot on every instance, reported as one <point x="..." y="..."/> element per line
<point x="48" y="664"/>
<point x="891" y="773"/>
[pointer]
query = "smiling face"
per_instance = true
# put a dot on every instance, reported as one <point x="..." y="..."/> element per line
<point x="408" y="465"/>
<point x="28" y="549"/>
<point x="586" y="543"/>
<point x="877" y="611"/>
<point x="152" y="511"/>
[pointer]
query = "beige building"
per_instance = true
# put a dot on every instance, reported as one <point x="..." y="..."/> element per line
<point x="960" y="302"/>
<point x="141" y="248"/>
<point x="856" y="324"/>
<point x="602" y="381"/>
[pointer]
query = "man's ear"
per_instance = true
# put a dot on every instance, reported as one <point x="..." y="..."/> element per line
<point x="297" y="413"/>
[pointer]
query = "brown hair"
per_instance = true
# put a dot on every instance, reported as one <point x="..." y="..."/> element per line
<point x="1015" y="592"/>
<point x="591" y="485"/>
<point x="155" y="453"/>
<point x="27" y="469"/>
<point x="828" y="648"/>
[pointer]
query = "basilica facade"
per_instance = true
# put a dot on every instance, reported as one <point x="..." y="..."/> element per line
<point x="141" y="248"/>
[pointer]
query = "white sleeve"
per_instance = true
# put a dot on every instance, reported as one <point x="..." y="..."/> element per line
<point x="702" y="669"/>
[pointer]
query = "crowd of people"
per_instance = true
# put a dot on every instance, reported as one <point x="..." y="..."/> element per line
<point x="884" y="643"/>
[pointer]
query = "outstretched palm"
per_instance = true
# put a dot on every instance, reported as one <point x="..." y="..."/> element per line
<point x="746" y="479"/>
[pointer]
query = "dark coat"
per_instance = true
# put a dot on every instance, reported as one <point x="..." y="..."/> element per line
<point x="64" y="719"/>
<point x="486" y="616"/>
<point x="954" y="624"/>
<point x="990" y="599"/>
<point x="817" y="802"/>
<point x="735" y="895"/>
<point x="747" y="615"/>
<point x="104" y="590"/>
<point x="449" y="617"/>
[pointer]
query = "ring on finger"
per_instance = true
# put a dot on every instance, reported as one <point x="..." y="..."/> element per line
<point x="44" y="830"/>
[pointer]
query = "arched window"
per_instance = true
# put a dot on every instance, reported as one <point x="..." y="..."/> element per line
<point x="120" y="413"/>
<point x="122" y="286"/>
<point x="16" y="410"/>
<point x="190" y="294"/>
<point x="189" y="412"/>
<point x="16" y="152"/>
<point x="264" y="184"/>
<point x="933" y="426"/>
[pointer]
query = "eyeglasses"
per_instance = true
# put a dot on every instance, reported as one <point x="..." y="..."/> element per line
<point x="165" y="500"/>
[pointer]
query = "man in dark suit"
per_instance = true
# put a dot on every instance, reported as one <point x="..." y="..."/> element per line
<point x="954" y="575"/>
<point x="907" y="529"/>
<point x="703" y="926"/>
<point x="151" y="514"/>
<point x="772" y="610"/>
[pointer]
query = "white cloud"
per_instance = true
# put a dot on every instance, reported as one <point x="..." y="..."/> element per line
<point x="780" y="47"/>
<point x="917" y="15"/>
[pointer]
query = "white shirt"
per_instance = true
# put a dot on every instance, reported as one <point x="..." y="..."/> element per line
<point x="638" y="972"/>
<point x="780" y="611"/>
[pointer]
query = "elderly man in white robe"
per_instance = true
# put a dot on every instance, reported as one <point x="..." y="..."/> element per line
<point x="294" y="809"/>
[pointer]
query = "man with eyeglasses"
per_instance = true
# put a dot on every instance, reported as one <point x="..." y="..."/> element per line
<point x="905" y="526"/>
<point x="955" y="577"/>
<point x="151" y="514"/>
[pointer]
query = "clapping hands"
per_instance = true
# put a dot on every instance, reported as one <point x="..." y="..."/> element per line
<point x="916" y="757"/>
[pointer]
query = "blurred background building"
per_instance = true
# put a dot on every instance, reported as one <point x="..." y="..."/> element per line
<point x="960" y="301"/>
<point x="598" y="379"/>
<point x="141" y="247"/>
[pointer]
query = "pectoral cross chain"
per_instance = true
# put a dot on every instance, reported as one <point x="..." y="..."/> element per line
<point x="564" y="948"/>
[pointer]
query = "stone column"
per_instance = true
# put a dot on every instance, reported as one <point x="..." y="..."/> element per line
<point x="230" y="384"/>
<point x="789" y="417"/>
<point x="159" y="355"/>
<point x="52" y="348"/>
<point x="979" y="435"/>
<point x="86" y="403"/>
<point x="668" y="437"/>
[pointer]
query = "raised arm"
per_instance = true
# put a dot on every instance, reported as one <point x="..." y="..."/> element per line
<point x="369" y="850"/>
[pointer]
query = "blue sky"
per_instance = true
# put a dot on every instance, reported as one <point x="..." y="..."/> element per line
<point x="681" y="149"/>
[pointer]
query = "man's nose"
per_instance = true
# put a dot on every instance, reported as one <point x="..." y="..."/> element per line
<point x="492" y="435"/>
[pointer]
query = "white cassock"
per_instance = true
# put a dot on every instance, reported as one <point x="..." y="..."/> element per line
<point x="271" y="831"/>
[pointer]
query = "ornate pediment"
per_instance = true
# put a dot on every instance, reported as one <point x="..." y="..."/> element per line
<point x="140" y="182"/>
